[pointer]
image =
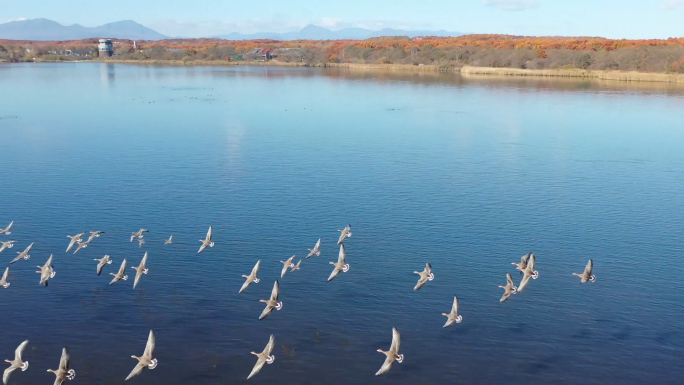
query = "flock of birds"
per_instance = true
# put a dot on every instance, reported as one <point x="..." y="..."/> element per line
<point x="526" y="267"/>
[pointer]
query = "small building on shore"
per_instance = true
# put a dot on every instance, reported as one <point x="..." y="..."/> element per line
<point x="105" y="48"/>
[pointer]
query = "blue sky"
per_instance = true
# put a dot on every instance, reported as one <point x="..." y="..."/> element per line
<point x="609" y="18"/>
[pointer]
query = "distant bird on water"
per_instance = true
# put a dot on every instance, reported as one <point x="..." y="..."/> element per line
<point x="252" y="277"/>
<point x="46" y="272"/>
<point x="587" y="275"/>
<point x="7" y="229"/>
<point x="528" y="273"/>
<point x="272" y="302"/>
<point x="64" y="372"/>
<point x="453" y="317"/>
<point x="425" y="275"/>
<point x="207" y="241"/>
<point x="6" y="245"/>
<point x="146" y="361"/>
<point x="344" y="233"/>
<point x="121" y="274"/>
<point x="340" y="265"/>
<point x="509" y="289"/>
<point x="3" y="281"/>
<point x="138" y="234"/>
<point x="315" y="250"/>
<point x="140" y="270"/>
<point x="101" y="262"/>
<point x="23" y="255"/>
<point x="264" y="357"/>
<point x="74" y="239"/>
<point x="287" y="265"/>
<point x="392" y="354"/>
<point x="169" y="241"/>
<point x="17" y="363"/>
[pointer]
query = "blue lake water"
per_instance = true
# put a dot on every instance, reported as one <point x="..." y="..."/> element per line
<point x="467" y="174"/>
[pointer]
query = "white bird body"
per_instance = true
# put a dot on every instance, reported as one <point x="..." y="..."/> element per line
<point x="344" y="233"/>
<point x="316" y="250"/>
<point x="121" y="274"/>
<point x="101" y="262"/>
<point x="425" y="275"/>
<point x="17" y="363"/>
<point x="6" y="245"/>
<point x="74" y="239"/>
<point x="169" y="241"/>
<point x="64" y="372"/>
<point x="340" y="265"/>
<point x="528" y="273"/>
<point x="509" y="289"/>
<point x="3" y="281"/>
<point x="140" y="270"/>
<point x="286" y="265"/>
<point x="587" y="274"/>
<point x="272" y="302"/>
<point x="392" y="354"/>
<point x="453" y="316"/>
<point x="6" y="230"/>
<point x="206" y="242"/>
<point x="138" y="234"/>
<point x="264" y="357"/>
<point x="147" y="360"/>
<point x="252" y="277"/>
<point x="46" y="272"/>
<point x="23" y="254"/>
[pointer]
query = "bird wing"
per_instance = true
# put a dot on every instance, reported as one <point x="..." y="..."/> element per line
<point x="100" y="266"/>
<point x="428" y="268"/>
<point x="396" y="340"/>
<point x="49" y="262"/>
<point x="138" y="274"/>
<point x="269" y="346"/>
<point x="454" y="307"/>
<point x="122" y="269"/>
<point x="201" y="249"/>
<point x="133" y="235"/>
<point x="386" y="366"/>
<point x="255" y="269"/>
<point x="525" y="280"/>
<point x="71" y="244"/>
<point x="136" y="371"/>
<point x="9" y="227"/>
<point x="267" y="310"/>
<point x="589" y="268"/>
<point x="4" y="275"/>
<point x="257" y="367"/>
<point x="18" y="257"/>
<point x="276" y="291"/>
<point x="343" y="234"/>
<point x="143" y="263"/>
<point x="20" y="349"/>
<point x="149" y="348"/>
<point x="509" y="280"/>
<point x="64" y="361"/>
<point x="334" y="273"/>
<point x="530" y="262"/>
<point x="342" y="255"/>
<point x="505" y="296"/>
<point x="318" y="244"/>
<point x="6" y="374"/>
<point x="421" y="282"/>
<point x="244" y="285"/>
<point x="209" y="233"/>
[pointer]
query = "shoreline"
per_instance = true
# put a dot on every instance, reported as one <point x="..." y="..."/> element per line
<point x="465" y="71"/>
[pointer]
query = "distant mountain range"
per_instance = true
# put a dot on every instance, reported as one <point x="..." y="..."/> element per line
<point x="44" y="29"/>
<point x="313" y="32"/>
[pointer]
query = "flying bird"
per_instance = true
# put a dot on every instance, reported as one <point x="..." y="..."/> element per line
<point x="102" y="262"/>
<point x="296" y="266"/>
<point x="528" y="273"/>
<point x="140" y="270"/>
<point x="252" y="277"/>
<point x="63" y="373"/>
<point x="587" y="275"/>
<point x="453" y="317"/>
<point x="146" y="361"/>
<point x="121" y="274"/>
<point x="81" y="245"/>
<point x="344" y="233"/>
<point x="287" y="265"/>
<point x="138" y="234"/>
<point x="169" y="241"/>
<point x="523" y="262"/>
<point x="425" y="275"/>
<point x="23" y="255"/>
<point x="46" y="271"/>
<point x="272" y="302"/>
<point x="17" y="363"/>
<point x="7" y="229"/>
<point x="509" y="289"/>
<point x="316" y="250"/>
<point x="141" y="241"/>
<point x="93" y="235"/>
<point x="392" y="354"/>
<point x="340" y="265"/>
<point x="207" y="241"/>
<point x="74" y="239"/>
<point x="6" y="245"/>
<point x="3" y="281"/>
<point x="264" y="357"/>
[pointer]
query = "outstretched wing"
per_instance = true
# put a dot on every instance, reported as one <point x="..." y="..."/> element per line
<point x="149" y="348"/>
<point x="257" y="367"/>
<point x="525" y="281"/>
<point x="136" y="371"/>
<point x="100" y="266"/>
<point x="267" y="310"/>
<point x="64" y="361"/>
<point x="275" y="293"/>
<point x="18" y="257"/>
<point x="255" y="269"/>
<point x="334" y="273"/>
<point x="454" y="307"/>
<point x="428" y="268"/>
<point x="49" y="262"/>
<point x="4" y="275"/>
<point x="421" y="281"/>
<point x="318" y="244"/>
<point x="509" y="280"/>
<point x="505" y="296"/>
<point x="143" y="263"/>
<point x="342" y="255"/>
<point x="269" y="346"/>
<point x="20" y="350"/>
<point x="530" y="262"/>
<point x="6" y="374"/>
<point x="209" y="233"/>
<point x="589" y="268"/>
<point x="396" y="340"/>
<point x="122" y="269"/>
<point x="386" y="366"/>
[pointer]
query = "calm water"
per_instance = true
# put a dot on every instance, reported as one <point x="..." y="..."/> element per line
<point x="466" y="174"/>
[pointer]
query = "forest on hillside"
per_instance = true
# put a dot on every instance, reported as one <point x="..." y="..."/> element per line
<point x="501" y="51"/>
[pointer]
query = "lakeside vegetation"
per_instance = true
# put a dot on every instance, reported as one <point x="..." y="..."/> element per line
<point x="512" y="53"/>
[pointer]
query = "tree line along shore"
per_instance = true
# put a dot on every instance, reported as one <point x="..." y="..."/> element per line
<point x="584" y="57"/>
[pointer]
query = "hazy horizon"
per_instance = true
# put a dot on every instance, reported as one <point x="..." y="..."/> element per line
<point x="630" y="19"/>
